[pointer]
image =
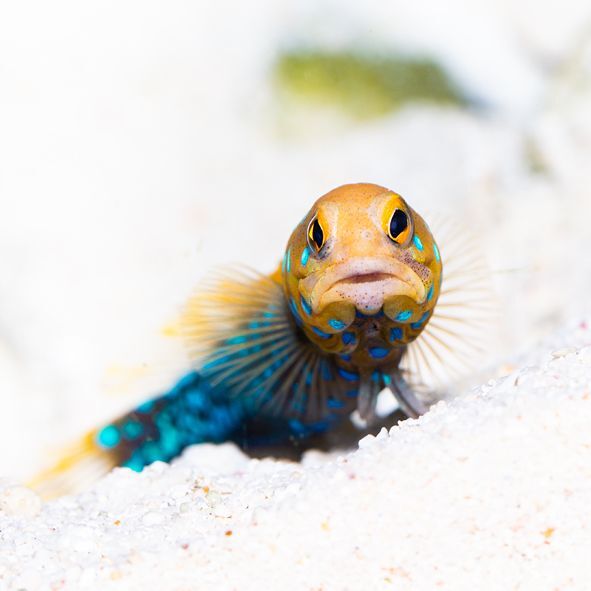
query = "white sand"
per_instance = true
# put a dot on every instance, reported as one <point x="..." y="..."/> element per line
<point x="140" y="147"/>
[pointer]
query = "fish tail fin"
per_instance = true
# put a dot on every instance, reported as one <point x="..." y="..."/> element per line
<point x="80" y="464"/>
<point x="190" y="412"/>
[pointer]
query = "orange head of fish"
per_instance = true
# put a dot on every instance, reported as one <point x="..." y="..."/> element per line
<point x="362" y="274"/>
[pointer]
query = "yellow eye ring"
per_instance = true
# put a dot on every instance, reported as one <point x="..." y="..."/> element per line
<point x="399" y="226"/>
<point x="316" y="237"/>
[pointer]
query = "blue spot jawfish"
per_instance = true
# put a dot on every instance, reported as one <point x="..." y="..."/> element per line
<point x="304" y="346"/>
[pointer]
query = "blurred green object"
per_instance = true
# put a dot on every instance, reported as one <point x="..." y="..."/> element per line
<point x="364" y="85"/>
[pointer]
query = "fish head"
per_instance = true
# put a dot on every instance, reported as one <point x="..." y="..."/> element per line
<point x="361" y="252"/>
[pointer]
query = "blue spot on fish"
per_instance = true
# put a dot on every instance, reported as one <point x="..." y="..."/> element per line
<point x="336" y="324"/>
<point x="288" y="260"/>
<point x="436" y="252"/>
<point x="333" y="403"/>
<point x="305" y="256"/>
<point x="396" y="334"/>
<point x="350" y="376"/>
<point x="108" y="436"/>
<point x="430" y="293"/>
<point x="378" y="352"/>
<point x="417" y="242"/>
<point x="132" y="429"/>
<point x="321" y="333"/>
<point x="420" y="321"/>
<point x="348" y="338"/>
<point x="152" y="452"/>
<point x="195" y="400"/>
<point x="346" y="357"/>
<point x="306" y="307"/>
<point x="297" y="427"/>
<point x="170" y="442"/>
<point x="294" y="310"/>
<point x="135" y="462"/>
<point x="146" y="407"/>
<point x="404" y="316"/>
<point x="319" y="426"/>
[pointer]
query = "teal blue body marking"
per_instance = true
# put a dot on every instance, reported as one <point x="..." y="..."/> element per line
<point x="336" y="324"/>
<point x="348" y="338"/>
<point x="348" y="375"/>
<point x="146" y="407"/>
<point x="416" y="325"/>
<point x="430" y="293"/>
<point x="396" y="334"/>
<point x="294" y="310"/>
<point x="334" y="403"/>
<point x="108" y="436"/>
<point x="321" y="333"/>
<point x="132" y="429"/>
<point x="306" y="307"/>
<point x="305" y="256"/>
<point x="404" y="315"/>
<point x="378" y="352"/>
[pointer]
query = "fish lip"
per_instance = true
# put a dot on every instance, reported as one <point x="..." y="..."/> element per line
<point x="382" y="272"/>
<point x="359" y="278"/>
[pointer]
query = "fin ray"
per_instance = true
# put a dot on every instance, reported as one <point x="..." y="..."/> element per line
<point x="462" y="326"/>
<point x="80" y="465"/>
<point x="242" y="338"/>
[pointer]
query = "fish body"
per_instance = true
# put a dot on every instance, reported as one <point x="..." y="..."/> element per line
<point x="298" y="350"/>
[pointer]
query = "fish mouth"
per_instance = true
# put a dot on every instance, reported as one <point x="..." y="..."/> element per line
<point x="365" y="282"/>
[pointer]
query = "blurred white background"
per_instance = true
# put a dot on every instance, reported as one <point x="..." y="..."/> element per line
<point x="142" y="143"/>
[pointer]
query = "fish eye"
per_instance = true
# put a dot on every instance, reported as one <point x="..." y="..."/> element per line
<point x="315" y="235"/>
<point x="398" y="225"/>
